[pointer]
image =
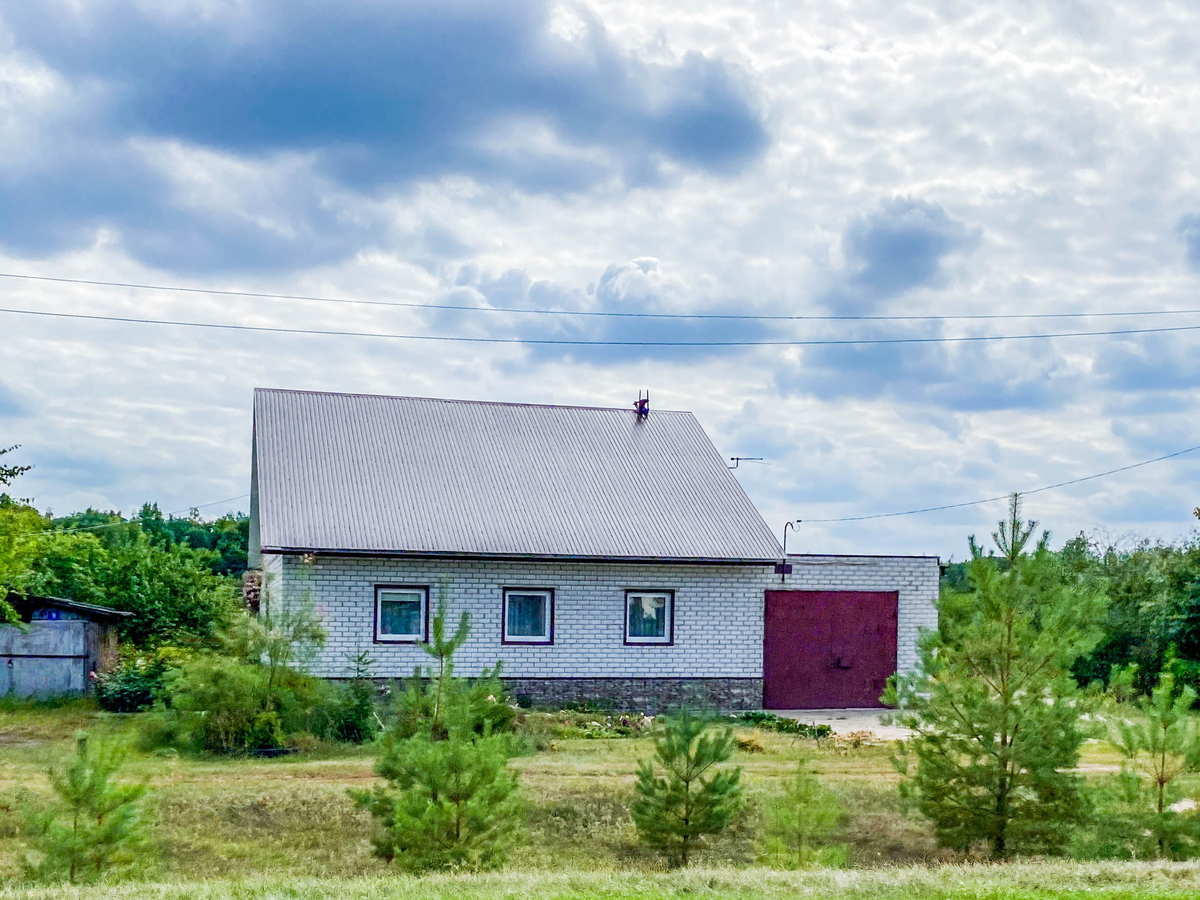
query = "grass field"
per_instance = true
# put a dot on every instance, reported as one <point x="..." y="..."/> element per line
<point x="285" y="827"/>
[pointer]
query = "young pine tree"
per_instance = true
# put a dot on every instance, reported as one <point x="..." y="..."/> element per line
<point x="354" y="718"/>
<point x="451" y="799"/>
<point x="993" y="709"/>
<point x="1162" y="745"/>
<point x="800" y="823"/>
<point x="673" y="812"/>
<point x="95" y="823"/>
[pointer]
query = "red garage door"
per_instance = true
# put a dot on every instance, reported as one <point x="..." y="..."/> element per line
<point x="828" y="649"/>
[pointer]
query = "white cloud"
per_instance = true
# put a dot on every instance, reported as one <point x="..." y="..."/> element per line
<point x="1064" y="136"/>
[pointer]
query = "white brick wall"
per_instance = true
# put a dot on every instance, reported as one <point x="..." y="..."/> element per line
<point x="718" y="610"/>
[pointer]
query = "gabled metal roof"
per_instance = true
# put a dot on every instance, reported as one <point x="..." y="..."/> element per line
<point x="405" y="475"/>
<point x="26" y="603"/>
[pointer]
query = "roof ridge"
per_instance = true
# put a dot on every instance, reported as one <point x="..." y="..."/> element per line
<point x="621" y="409"/>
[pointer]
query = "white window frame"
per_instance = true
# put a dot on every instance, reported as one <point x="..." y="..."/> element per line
<point x="381" y="591"/>
<point x="668" y="638"/>
<point x="545" y="638"/>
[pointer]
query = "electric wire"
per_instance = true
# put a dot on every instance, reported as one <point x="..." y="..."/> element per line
<point x="1039" y="490"/>
<point x="570" y="342"/>
<point x="603" y="313"/>
<point x="135" y="520"/>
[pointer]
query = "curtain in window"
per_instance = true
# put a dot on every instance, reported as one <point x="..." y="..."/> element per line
<point x="647" y="615"/>
<point x="400" y="616"/>
<point x="527" y="615"/>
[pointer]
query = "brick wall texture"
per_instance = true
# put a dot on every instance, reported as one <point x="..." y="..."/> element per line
<point x="718" y="634"/>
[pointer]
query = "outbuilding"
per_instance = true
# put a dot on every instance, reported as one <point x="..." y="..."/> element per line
<point x="603" y="554"/>
<point x="59" y="646"/>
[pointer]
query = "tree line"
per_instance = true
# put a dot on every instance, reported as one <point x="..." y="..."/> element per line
<point x="180" y="577"/>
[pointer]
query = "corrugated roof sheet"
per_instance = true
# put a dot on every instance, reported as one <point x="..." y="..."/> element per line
<point x="351" y="472"/>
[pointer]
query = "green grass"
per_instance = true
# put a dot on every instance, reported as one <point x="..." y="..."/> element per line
<point x="1027" y="881"/>
<point x="251" y="828"/>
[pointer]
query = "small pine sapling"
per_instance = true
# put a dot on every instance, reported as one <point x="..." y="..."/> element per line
<point x="442" y="683"/>
<point x="94" y="825"/>
<point x="429" y="692"/>
<point x="801" y="821"/>
<point x="449" y="803"/>
<point x="451" y="800"/>
<point x="355" y="719"/>
<point x="675" y="811"/>
<point x="1158" y="748"/>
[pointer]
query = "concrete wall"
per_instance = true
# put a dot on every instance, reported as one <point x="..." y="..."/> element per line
<point x="718" y="614"/>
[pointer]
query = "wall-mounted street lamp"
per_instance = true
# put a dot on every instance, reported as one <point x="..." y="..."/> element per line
<point x="784" y="569"/>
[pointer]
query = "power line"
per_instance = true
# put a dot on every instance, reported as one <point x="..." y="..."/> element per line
<point x="602" y="313"/>
<point x="266" y="329"/>
<point x="134" y="520"/>
<point x="1048" y="487"/>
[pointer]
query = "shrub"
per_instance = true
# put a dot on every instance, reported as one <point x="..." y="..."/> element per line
<point x="674" y="812"/>
<point x="451" y="798"/>
<point x="139" y="680"/>
<point x="254" y="700"/>
<point x="800" y="823"/>
<point x="223" y="708"/>
<point x="94" y="825"/>
<point x="225" y="705"/>
<point x="352" y="717"/>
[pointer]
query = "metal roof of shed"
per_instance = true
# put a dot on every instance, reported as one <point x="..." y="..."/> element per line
<point x="25" y="603"/>
<point x="356" y="473"/>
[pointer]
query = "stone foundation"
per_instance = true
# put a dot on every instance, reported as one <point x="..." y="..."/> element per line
<point x="646" y="695"/>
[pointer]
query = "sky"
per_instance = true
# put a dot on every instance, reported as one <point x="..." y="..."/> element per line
<point x="850" y="158"/>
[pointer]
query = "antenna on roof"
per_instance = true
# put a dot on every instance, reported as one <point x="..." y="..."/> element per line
<point x="741" y="459"/>
<point x="643" y="405"/>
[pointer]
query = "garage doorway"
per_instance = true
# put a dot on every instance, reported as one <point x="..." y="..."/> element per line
<point x="828" y="649"/>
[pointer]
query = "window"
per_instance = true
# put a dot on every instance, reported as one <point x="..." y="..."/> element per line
<point x="528" y="616"/>
<point x="400" y="614"/>
<point x="649" y="617"/>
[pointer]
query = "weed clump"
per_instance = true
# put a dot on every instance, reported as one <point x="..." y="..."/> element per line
<point x="768" y="721"/>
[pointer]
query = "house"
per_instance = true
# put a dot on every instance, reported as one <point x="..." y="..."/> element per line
<point x="604" y="554"/>
<point x="61" y="644"/>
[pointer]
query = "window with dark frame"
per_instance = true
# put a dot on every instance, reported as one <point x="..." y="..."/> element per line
<point x="401" y="613"/>
<point x="649" y="617"/>
<point x="528" y="616"/>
